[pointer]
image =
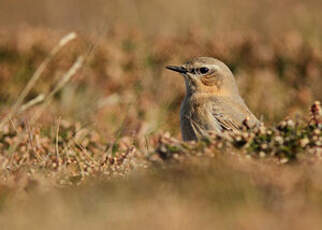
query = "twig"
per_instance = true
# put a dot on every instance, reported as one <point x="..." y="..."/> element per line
<point x="66" y="77"/>
<point x="36" y="76"/>
<point x="57" y="148"/>
<point x="32" y="102"/>
<point x="30" y="139"/>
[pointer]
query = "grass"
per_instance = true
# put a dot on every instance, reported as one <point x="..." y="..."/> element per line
<point x="94" y="142"/>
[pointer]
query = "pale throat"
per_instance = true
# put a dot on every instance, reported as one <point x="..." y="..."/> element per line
<point x="214" y="90"/>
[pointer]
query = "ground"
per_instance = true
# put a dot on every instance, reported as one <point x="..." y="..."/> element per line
<point x="89" y="119"/>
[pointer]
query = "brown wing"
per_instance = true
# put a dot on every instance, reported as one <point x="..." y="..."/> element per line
<point x="227" y="123"/>
<point x="230" y="116"/>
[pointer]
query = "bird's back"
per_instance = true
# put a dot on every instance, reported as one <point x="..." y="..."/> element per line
<point x="203" y="113"/>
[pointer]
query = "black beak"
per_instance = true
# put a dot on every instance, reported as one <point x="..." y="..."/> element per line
<point x="178" y="69"/>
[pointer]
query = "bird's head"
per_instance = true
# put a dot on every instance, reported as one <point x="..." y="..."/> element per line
<point x="207" y="75"/>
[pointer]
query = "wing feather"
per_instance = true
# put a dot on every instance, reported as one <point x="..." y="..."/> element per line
<point x="227" y="123"/>
<point x="231" y="118"/>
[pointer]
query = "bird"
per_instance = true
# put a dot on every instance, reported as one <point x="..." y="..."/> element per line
<point x="212" y="103"/>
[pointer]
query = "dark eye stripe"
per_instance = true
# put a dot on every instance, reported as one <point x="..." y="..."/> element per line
<point x="203" y="70"/>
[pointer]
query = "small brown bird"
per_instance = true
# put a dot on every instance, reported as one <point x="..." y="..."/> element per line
<point x="212" y="102"/>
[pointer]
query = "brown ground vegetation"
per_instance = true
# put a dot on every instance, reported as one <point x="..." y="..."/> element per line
<point x="104" y="150"/>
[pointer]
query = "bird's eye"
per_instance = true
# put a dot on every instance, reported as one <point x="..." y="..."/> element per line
<point x="203" y="70"/>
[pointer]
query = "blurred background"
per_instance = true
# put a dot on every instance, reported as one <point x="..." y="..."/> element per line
<point x="273" y="48"/>
<point x="123" y="91"/>
<point x="167" y="17"/>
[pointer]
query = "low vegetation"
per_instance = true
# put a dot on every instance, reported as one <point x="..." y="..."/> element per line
<point x="90" y="137"/>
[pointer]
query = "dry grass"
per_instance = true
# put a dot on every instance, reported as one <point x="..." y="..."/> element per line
<point x="95" y="142"/>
